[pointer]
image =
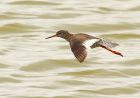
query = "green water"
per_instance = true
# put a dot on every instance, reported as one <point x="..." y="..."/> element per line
<point x="33" y="67"/>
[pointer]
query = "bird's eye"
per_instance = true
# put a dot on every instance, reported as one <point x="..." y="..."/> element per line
<point x="59" y="33"/>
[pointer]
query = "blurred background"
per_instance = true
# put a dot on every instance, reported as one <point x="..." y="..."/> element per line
<point x="33" y="67"/>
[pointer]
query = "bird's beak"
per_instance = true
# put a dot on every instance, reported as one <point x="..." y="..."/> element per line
<point x="51" y="36"/>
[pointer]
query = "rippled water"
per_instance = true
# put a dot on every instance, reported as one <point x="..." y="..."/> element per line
<point x="33" y="67"/>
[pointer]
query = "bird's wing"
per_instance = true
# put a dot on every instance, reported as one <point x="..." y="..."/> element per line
<point x="79" y="51"/>
<point x="86" y="36"/>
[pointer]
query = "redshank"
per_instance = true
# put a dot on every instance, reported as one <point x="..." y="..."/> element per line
<point x="79" y="43"/>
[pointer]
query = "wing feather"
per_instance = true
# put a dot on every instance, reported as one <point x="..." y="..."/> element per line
<point x="79" y="52"/>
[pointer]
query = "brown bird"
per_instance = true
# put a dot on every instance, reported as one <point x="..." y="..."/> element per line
<point x="79" y="43"/>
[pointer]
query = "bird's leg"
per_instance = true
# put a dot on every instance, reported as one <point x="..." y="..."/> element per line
<point x="115" y="52"/>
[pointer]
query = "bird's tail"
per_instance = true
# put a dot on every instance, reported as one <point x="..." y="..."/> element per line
<point x="105" y="43"/>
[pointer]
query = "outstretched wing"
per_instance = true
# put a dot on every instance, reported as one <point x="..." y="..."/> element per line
<point x="79" y="51"/>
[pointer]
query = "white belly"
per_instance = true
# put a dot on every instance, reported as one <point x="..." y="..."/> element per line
<point x="89" y="43"/>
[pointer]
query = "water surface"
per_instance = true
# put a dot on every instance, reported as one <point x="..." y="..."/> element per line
<point x="33" y="67"/>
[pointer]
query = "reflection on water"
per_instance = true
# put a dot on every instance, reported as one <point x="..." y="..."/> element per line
<point x="33" y="67"/>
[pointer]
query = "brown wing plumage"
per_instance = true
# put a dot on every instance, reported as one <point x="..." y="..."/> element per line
<point x="79" y="51"/>
<point x="83" y="37"/>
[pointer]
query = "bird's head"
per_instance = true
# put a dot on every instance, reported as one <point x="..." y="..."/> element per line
<point x="60" y="33"/>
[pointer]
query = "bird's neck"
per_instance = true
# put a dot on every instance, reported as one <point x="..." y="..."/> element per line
<point x="67" y="37"/>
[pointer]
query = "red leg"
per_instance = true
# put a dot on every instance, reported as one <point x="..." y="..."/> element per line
<point x="115" y="52"/>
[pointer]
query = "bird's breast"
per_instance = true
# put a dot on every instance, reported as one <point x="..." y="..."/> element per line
<point x="89" y="43"/>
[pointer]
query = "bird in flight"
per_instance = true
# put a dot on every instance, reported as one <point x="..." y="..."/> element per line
<point x="79" y="43"/>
